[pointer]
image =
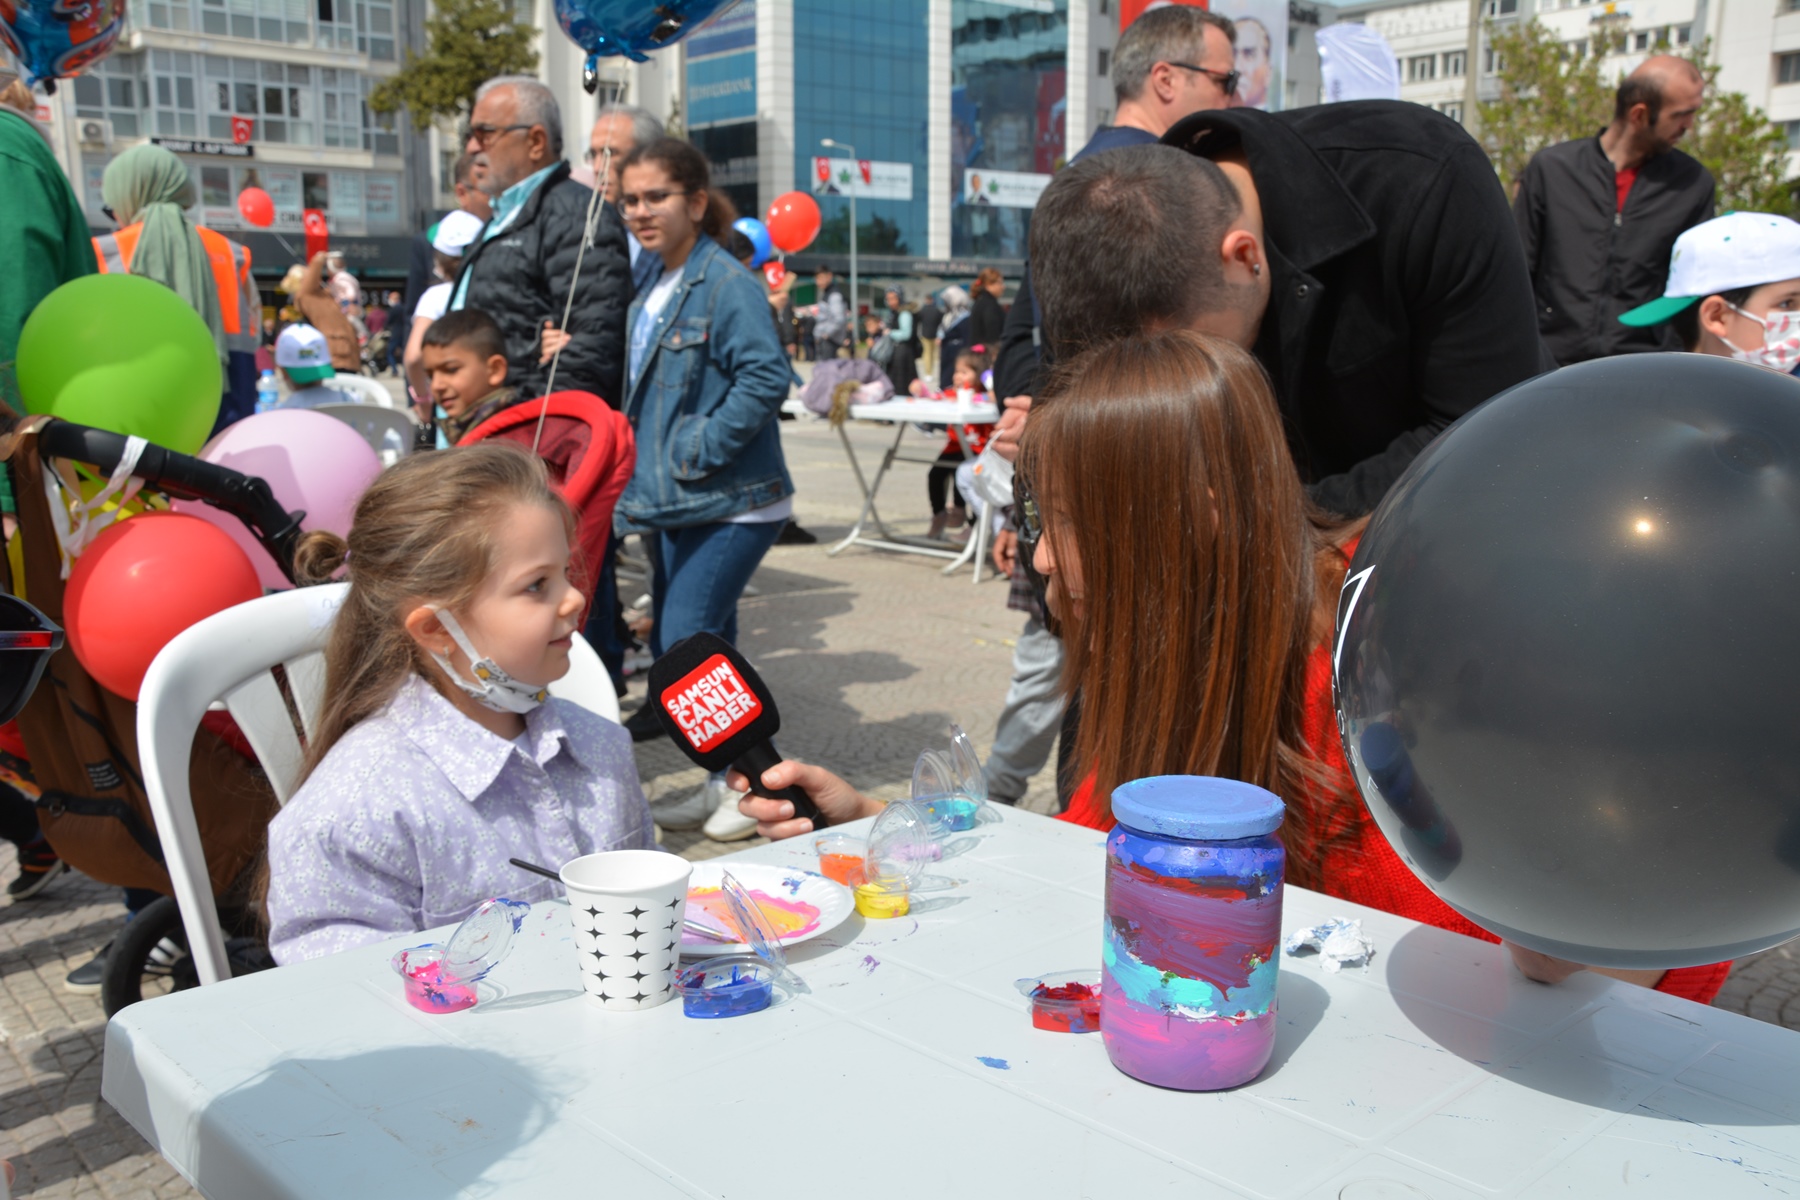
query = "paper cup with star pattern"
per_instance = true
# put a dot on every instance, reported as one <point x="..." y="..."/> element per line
<point x="627" y="906"/>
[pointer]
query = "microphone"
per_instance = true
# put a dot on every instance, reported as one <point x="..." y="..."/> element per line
<point x="715" y="707"/>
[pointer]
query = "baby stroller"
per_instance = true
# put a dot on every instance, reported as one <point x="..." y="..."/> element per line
<point x="374" y="352"/>
<point x="82" y="739"/>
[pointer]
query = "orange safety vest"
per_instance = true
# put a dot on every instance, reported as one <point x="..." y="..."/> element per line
<point x="240" y="308"/>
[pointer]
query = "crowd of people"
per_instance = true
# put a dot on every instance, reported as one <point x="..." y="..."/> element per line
<point x="1239" y="327"/>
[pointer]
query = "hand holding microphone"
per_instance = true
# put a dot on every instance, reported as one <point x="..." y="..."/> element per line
<point x="715" y="707"/>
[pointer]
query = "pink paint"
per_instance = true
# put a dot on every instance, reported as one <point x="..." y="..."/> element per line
<point x="788" y="917"/>
<point x="1172" y="1051"/>
<point x="428" y="991"/>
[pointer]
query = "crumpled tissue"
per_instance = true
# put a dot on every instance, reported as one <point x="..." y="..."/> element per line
<point x="1339" y="941"/>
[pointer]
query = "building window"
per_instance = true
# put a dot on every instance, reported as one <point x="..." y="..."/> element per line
<point x="1456" y="63"/>
<point x="109" y="90"/>
<point x="1684" y="34"/>
<point x="1787" y="68"/>
<point x="1102" y="61"/>
<point x="1491" y="63"/>
<point x="1788" y="6"/>
<point x="1421" y="69"/>
<point x="1453" y="110"/>
<point x="1791" y="129"/>
<point x="1503" y="8"/>
<point x="447" y="172"/>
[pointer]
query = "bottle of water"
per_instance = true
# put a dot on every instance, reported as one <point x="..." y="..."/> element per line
<point x="268" y="392"/>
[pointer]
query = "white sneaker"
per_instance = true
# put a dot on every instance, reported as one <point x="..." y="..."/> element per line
<point x="683" y="812"/>
<point x="726" y="824"/>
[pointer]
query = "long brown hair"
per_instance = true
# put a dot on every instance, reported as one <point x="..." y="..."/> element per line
<point x="1160" y="467"/>
<point x="426" y="532"/>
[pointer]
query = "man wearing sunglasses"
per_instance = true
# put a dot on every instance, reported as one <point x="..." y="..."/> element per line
<point x="521" y="269"/>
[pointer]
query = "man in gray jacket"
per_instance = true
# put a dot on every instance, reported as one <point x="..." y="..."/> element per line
<point x="1600" y="215"/>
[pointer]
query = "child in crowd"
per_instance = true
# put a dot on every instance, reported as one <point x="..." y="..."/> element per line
<point x="463" y="356"/>
<point x="450" y="244"/>
<point x="968" y="381"/>
<point x="1230" y="592"/>
<point x="439" y="754"/>
<point x="304" y="359"/>
<point x="1734" y="290"/>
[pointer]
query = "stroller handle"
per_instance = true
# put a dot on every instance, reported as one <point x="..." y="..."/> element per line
<point x="246" y="497"/>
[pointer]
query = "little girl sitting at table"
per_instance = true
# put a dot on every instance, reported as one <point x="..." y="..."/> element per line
<point x="439" y="754"/>
<point x="968" y="382"/>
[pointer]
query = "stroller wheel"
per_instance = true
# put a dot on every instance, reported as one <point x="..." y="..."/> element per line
<point x="149" y="958"/>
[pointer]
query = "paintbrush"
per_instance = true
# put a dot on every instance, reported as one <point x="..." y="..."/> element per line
<point x="693" y="927"/>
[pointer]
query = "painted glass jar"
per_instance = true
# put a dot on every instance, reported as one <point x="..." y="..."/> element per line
<point x="1193" y="931"/>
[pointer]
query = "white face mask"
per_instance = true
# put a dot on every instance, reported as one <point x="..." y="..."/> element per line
<point x="1780" y="350"/>
<point x="493" y="688"/>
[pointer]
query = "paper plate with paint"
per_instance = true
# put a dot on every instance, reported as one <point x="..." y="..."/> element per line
<point x="797" y="905"/>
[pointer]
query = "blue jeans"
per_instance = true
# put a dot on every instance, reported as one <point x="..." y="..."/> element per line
<point x="606" y="617"/>
<point x="700" y="573"/>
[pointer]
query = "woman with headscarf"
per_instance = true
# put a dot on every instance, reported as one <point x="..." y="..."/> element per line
<point x="147" y="190"/>
<point x="954" y="332"/>
<point x="897" y="319"/>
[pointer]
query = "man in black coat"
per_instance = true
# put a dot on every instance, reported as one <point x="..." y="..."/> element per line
<point x="520" y="271"/>
<point x="1359" y="250"/>
<point x="1600" y="215"/>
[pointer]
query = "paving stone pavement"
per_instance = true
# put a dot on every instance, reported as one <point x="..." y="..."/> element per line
<point x="871" y="654"/>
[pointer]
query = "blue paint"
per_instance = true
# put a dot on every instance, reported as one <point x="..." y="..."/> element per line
<point x="999" y="1064"/>
<point x="725" y="988"/>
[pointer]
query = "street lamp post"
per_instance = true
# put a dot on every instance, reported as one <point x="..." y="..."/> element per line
<point x="855" y="168"/>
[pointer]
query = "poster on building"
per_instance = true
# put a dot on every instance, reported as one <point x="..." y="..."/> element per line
<point x="1261" y="44"/>
<point x="1003" y="189"/>
<point x="283" y="186"/>
<point x="866" y="179"/>
<point x="733" y="29"/>
<point x="722" y="88"/>
<point x="381" y="202"/>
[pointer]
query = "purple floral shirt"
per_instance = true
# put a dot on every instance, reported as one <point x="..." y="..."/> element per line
<point x="410" y="820"/>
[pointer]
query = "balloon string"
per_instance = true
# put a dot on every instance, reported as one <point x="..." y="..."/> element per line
<point x="603" y="173"/>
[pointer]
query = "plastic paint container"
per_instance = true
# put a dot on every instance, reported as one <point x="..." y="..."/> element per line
<point x="738" y="984"/>
<point x="950" y="788"/>
<point x="883" y="899"/>
<point x="730" y="987"/>
<point x="1193" y="931"/>
<point x="440" y="977"/>
<point x="1064" y="1001"/>
<point x="841" y="858"/>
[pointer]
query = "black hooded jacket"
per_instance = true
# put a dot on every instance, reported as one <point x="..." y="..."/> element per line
<point x="520" y="277"/>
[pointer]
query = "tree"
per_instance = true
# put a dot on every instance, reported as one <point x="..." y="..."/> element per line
<point x="468" y="42"/>
<point x="1550" y="93"/>
<point x="874" y="235"/>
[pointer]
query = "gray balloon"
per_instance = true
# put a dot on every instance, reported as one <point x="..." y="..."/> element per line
<point x="1568" y="658"/>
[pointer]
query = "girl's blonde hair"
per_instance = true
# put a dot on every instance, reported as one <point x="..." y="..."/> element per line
<point x="426" y="532"/>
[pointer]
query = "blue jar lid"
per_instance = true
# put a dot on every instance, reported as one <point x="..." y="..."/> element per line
<point x="1197" y="808"/>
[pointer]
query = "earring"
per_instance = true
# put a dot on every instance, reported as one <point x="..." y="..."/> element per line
<point x="1256" y="268"/>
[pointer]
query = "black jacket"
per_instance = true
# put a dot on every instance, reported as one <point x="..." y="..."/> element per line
<point x="521" y="279"/>
<point x="1397" y="303"/>
<point x="1588" y="260"/>
<point x="986" y="320"/>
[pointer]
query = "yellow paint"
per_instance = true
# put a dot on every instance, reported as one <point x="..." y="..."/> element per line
<point x="879" y="901"/>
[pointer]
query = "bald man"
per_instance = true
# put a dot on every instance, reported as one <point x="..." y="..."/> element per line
<point x="1600" y="215"/>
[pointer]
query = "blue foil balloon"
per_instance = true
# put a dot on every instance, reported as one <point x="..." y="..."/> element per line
<point x="633" y="28"/>
<point x="58" y="39"/>
<point x="758" y="233"/>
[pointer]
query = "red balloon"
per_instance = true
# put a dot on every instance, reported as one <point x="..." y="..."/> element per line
<point x="257" y="207"/>
<point x="775" y="273"/>
<point x="141" y="582"/>
<point x="793" y="221"/>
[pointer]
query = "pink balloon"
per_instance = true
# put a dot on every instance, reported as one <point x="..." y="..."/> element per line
<point x="311" y="460"/>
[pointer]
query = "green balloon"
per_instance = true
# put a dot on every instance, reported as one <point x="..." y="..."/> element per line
<point x="123" y="353"/>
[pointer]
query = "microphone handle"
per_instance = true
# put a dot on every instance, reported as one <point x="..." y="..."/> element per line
<point x="759" y="758"/>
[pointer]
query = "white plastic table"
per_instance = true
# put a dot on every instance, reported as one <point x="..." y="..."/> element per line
<point x="902" y="413"/>
<point x="911" y="1069"/>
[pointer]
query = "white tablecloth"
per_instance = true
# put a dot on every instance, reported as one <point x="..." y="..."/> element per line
<point x="912" y="1070"/>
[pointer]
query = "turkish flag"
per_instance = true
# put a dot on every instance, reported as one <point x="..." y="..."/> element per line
<point x="318" y="233"/>
<point x="242" y="129"/>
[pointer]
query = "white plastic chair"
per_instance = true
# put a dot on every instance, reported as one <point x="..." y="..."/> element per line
<point x="389" y="431"/>
<point x="228" y="657"/>
<point x="369" y="391"/>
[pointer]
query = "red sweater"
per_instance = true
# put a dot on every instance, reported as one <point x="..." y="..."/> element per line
<point x="1365" y="870"/>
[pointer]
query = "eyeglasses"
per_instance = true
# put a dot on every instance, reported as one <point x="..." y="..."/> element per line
<point x="27" y="640"/>
<point x="484" y="135"/>
<point x="653" y="199"/>
<point x="1227" y="80"/>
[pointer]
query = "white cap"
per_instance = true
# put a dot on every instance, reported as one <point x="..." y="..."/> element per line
<point x="1737" y="250"/>
<point x="302" y="352"/>
<point x="456" y="233"/>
